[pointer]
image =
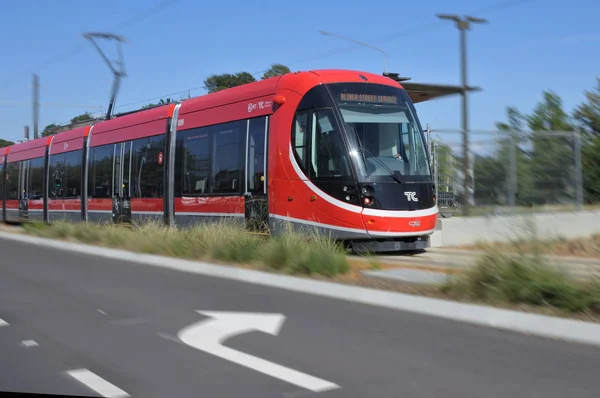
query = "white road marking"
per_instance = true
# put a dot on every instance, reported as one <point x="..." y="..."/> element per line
<point x="208" y="336"/>
<point x="29" y="343"/>
<point x="102" y="312"/>
<point x="97" y="383"/>
<point x="3" y="322"/>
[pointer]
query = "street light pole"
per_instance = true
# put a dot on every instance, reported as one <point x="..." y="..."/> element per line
<point x="464" y="24"/>
<point x="360" y="43"/>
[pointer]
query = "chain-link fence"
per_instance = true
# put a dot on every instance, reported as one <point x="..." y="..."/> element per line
<point x="512" y="171"/>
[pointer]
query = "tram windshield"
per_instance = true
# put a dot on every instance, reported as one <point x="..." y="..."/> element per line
<point x="383" y="130"/>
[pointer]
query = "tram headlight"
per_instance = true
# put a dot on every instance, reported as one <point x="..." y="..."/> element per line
<point x="367" y="190"/>
<point x="367" y="193"/>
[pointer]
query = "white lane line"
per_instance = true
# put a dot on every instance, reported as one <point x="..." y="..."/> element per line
<point x="29" y="343"/>
<point x="3" y="322"/>
<point x="97" y="383"/>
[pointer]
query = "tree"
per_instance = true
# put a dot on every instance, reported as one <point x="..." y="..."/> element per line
<point x="511" y="143"/>
<point x="84" y="117"/>
<point x="224" y="81"/>
<point x="5" y="143"/>
<point x="161" y="102"/>
<point x="587" y="116"/>
<point x="276" y="70"/>
<point x="553" y="168"/>
<point x="50" y="129"/>
<point x="54" y="128"/>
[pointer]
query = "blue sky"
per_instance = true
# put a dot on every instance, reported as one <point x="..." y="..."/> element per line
<point x="529" y="47"/>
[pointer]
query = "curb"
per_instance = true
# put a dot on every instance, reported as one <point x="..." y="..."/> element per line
<point x="540" y="325"/>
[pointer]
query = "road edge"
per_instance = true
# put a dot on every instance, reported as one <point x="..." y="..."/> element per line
<point x="540" y="325"/>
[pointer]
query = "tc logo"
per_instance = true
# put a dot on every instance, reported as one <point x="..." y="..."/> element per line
<point x="411" y="196"/>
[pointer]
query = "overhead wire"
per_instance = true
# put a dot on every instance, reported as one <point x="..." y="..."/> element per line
<point x="382" y="39"/>
<point x="75" y="50"/>
<point x="406" y="32"/>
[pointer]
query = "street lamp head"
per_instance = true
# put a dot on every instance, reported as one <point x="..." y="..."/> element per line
<point x="449" y="17"/>
<point x="476" y="20"/>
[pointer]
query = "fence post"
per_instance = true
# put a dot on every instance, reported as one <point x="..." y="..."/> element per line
<point x="578" y="170"/>
<point x="436" y="176"/>
<point x="429" y="140"/>
<point x="512" y="173"/>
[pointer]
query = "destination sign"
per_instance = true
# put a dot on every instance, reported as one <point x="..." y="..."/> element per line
<point x="370" y="98"/>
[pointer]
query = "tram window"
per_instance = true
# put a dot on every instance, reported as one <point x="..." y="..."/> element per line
<point x="73" y="174"/>
<point x="192" y="162"/>
<point x="12" y="181"/>
<point x="209" y="160"/>
<point x="228" y="150"/>
<point x="57" y="176"/>
<point x="65" y="175"/>
<point x="256" y="155"/>
<point x="35" y="186"/>
<point x="328" y="155"/>
<point x="2" y="178"/>
<point x="300" y="140"/>
<point x="101" y="171"/>
<point x="147" y="167"/>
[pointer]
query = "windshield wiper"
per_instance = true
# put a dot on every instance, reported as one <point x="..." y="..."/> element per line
<point x="394" y="173"/>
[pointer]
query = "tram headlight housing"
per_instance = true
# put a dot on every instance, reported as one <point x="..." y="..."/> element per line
<point x="367" y="193"/>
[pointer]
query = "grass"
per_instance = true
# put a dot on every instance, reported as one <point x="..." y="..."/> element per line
<point x="583" y="247"/>
<point x="227" y="242"/>
<point x="524" y="278"/>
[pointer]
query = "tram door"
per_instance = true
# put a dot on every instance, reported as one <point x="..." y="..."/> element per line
<point x="23" y="194"/>
<point x="256" y="205"/>
<point x="121" y="199"/>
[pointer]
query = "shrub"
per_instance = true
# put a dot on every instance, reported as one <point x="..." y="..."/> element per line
<point x="524" y="279"/>
<point x="222" y="241"/>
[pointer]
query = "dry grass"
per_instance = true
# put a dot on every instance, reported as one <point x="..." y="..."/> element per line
<point x="291" y="253"/>
<point x="584" y="247"/>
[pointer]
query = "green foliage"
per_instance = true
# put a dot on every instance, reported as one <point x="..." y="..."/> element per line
<point x="524" y="279"/>
<point x="84" y="117"/>
<point x="544" y="163"/>
<point x="53" y="128"/>
<point x="587" y="115"/>
<point x="50" y="129"/>
<point x="5" y="143"/>
<point x="224" y="81"/>
<point x="276" y="70"/>
<point x="552" y="177"/>
<point x="161" y="102"/>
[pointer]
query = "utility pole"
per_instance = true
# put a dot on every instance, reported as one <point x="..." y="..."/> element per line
<point x="464" y="24"/>
<point x="36" y="105"/>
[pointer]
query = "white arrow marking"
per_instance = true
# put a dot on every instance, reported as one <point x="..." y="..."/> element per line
<point x="208" y="336"/>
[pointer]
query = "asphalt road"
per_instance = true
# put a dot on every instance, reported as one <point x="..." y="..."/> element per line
<point x="120" y="322"/>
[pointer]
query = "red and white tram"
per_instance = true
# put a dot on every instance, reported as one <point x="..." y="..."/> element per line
<point x="340" y="151"/>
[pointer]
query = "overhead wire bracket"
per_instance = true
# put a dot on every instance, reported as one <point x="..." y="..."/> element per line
<point x="117" y="67"/>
